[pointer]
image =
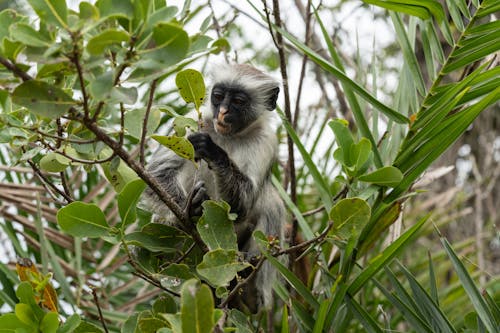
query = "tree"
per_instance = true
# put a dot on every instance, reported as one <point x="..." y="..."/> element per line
<point x="83" y="92"/>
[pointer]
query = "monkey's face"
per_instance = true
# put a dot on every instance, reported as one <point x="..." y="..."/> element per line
<point x="232" y="109"/>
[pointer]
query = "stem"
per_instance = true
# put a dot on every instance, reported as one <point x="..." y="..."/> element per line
<point x="145" y="122"/>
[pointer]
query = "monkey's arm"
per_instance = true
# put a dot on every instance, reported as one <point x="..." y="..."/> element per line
<point x="168" y="169"/>
<point x="235" y="187"/>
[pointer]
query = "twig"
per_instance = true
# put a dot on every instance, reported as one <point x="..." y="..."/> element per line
<point x="242" y="283"/>
<point x="14" y="69"/>
<point x="139" y="272"/>
<point x="48" y="183"/>
<point x="145" y="121"/>
<point x="96" y="300"/>
<point x="302" y="245"/>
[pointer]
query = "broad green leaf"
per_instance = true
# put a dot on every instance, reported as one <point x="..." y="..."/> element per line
<point x="180" y="146"/>
<point x="197" y="308"/>
<point x="134" y="121"/>
<point x="86" y="327"/>
<point x="220" y="266"/>
<point x="124" y="95"/>
<point x="174" y="275"/>
<point x="51" y="11"/>
<point x="121" y="8"/>
<point x="9" y="323"/>
<point x="118" y="174"/>
<point x="80" y="219"/>
<point x="175" y="322"/>
<point x="216" y="227"/>
<point x="181" y="123"/>
<point x="386" y="176"/>
<point x="88" y="12"/>
<point x="8" y="17"/>
<point x="98" y="44"/>
<point x="172" y="44"/>
<point x="50" y="323"/>
<point x="240" y="320"/>
<point x="344" y="139"/>
<point x="127" y="200"/>
<point x="157" y="238"/>
<point x="71" y="323"/>
<point x="25" y="34"/>
<point x="26" y="315"/>
<point x="54" y="162"/>
<point x="349" y="216"/>
<point x="222" y="45"/>
<point x="191" y="86"/>
<point x="42" y="98"/>
<point x="360" y="153"/>
<point x="100" y="87"/>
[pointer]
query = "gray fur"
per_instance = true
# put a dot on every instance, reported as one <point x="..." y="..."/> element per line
<point x="245" y="184"/>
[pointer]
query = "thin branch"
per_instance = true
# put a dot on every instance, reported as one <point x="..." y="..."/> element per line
<point x="48" y="183"/>
<point x="305" y="244"/>
<point x="145" y="121"/>
<point x="14" y="69"/>
<point x="281" y="51"/>
<point x="242" y="283"/>
<point x="96" y="300"/>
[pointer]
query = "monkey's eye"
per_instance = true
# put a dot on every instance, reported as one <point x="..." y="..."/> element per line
<point x="217" y="97"/>
<point x="239" y="101"/>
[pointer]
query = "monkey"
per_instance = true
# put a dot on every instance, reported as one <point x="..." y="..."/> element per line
<point x="238" y="144"/>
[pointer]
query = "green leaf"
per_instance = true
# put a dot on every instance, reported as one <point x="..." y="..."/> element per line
<point x="349" y="216"/>
<point x="87" y="11"/>
<point x="50" y="323"/>
<point x="180" y="146"/>
<point x="172" y="44"/>
<point x="134" y="121"/>
<point x="220" y="266"/>
<point x="128" y="198"/>
<point x="103" y="41"/>
<point x="344" y="140"/>
<point x="26" y="315"/>
<point x="174" y="275"/>
<point x="86" y="327"/>
<point x="379" y="261"/>
<point x="80" y="219"/>
<point x="420" y="8"/>
<point x="197" y="308"/>
<point x="191" y="86"/>
<point x="386" y="176"/>
<point x="51" y="11"/>
<point x="25" y="34"/>
<point x="480" y="305"/>
<point x="368" y="322"/>
<point x="157" y="238"/>
<point x="120" y="8"/>
<point x="118" y="174"/>
<point x="216" y="226"/>
<point x="181" y="123"/>
<point x="42" y="98"/>
<point x="71" y="323"/>
<point x="100" y="87"/>
<point x="54" y="162"/>
<point x="9" y="323"/>
<point x="8" y="17"/>
<point x="360" y="153"/>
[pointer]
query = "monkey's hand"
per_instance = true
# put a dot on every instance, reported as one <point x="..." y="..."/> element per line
<point x="197" y="197"/>
<point x="206" y="149"/>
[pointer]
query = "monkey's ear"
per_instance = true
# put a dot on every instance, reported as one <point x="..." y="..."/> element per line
<point x="271" y="102"/>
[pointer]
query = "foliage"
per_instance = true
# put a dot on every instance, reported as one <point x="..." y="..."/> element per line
<point x="81" y="100"/>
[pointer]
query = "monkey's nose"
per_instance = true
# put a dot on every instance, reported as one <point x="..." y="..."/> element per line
<point x="223" y="109"/>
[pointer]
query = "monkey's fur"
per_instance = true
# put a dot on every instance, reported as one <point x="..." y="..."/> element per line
<point x="239" y="146"/>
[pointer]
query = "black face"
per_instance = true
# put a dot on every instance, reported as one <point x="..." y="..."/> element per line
<point x="231" y="106"/>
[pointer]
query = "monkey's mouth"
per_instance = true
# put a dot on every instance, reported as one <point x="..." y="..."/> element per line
<point x="222" y="127"/>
